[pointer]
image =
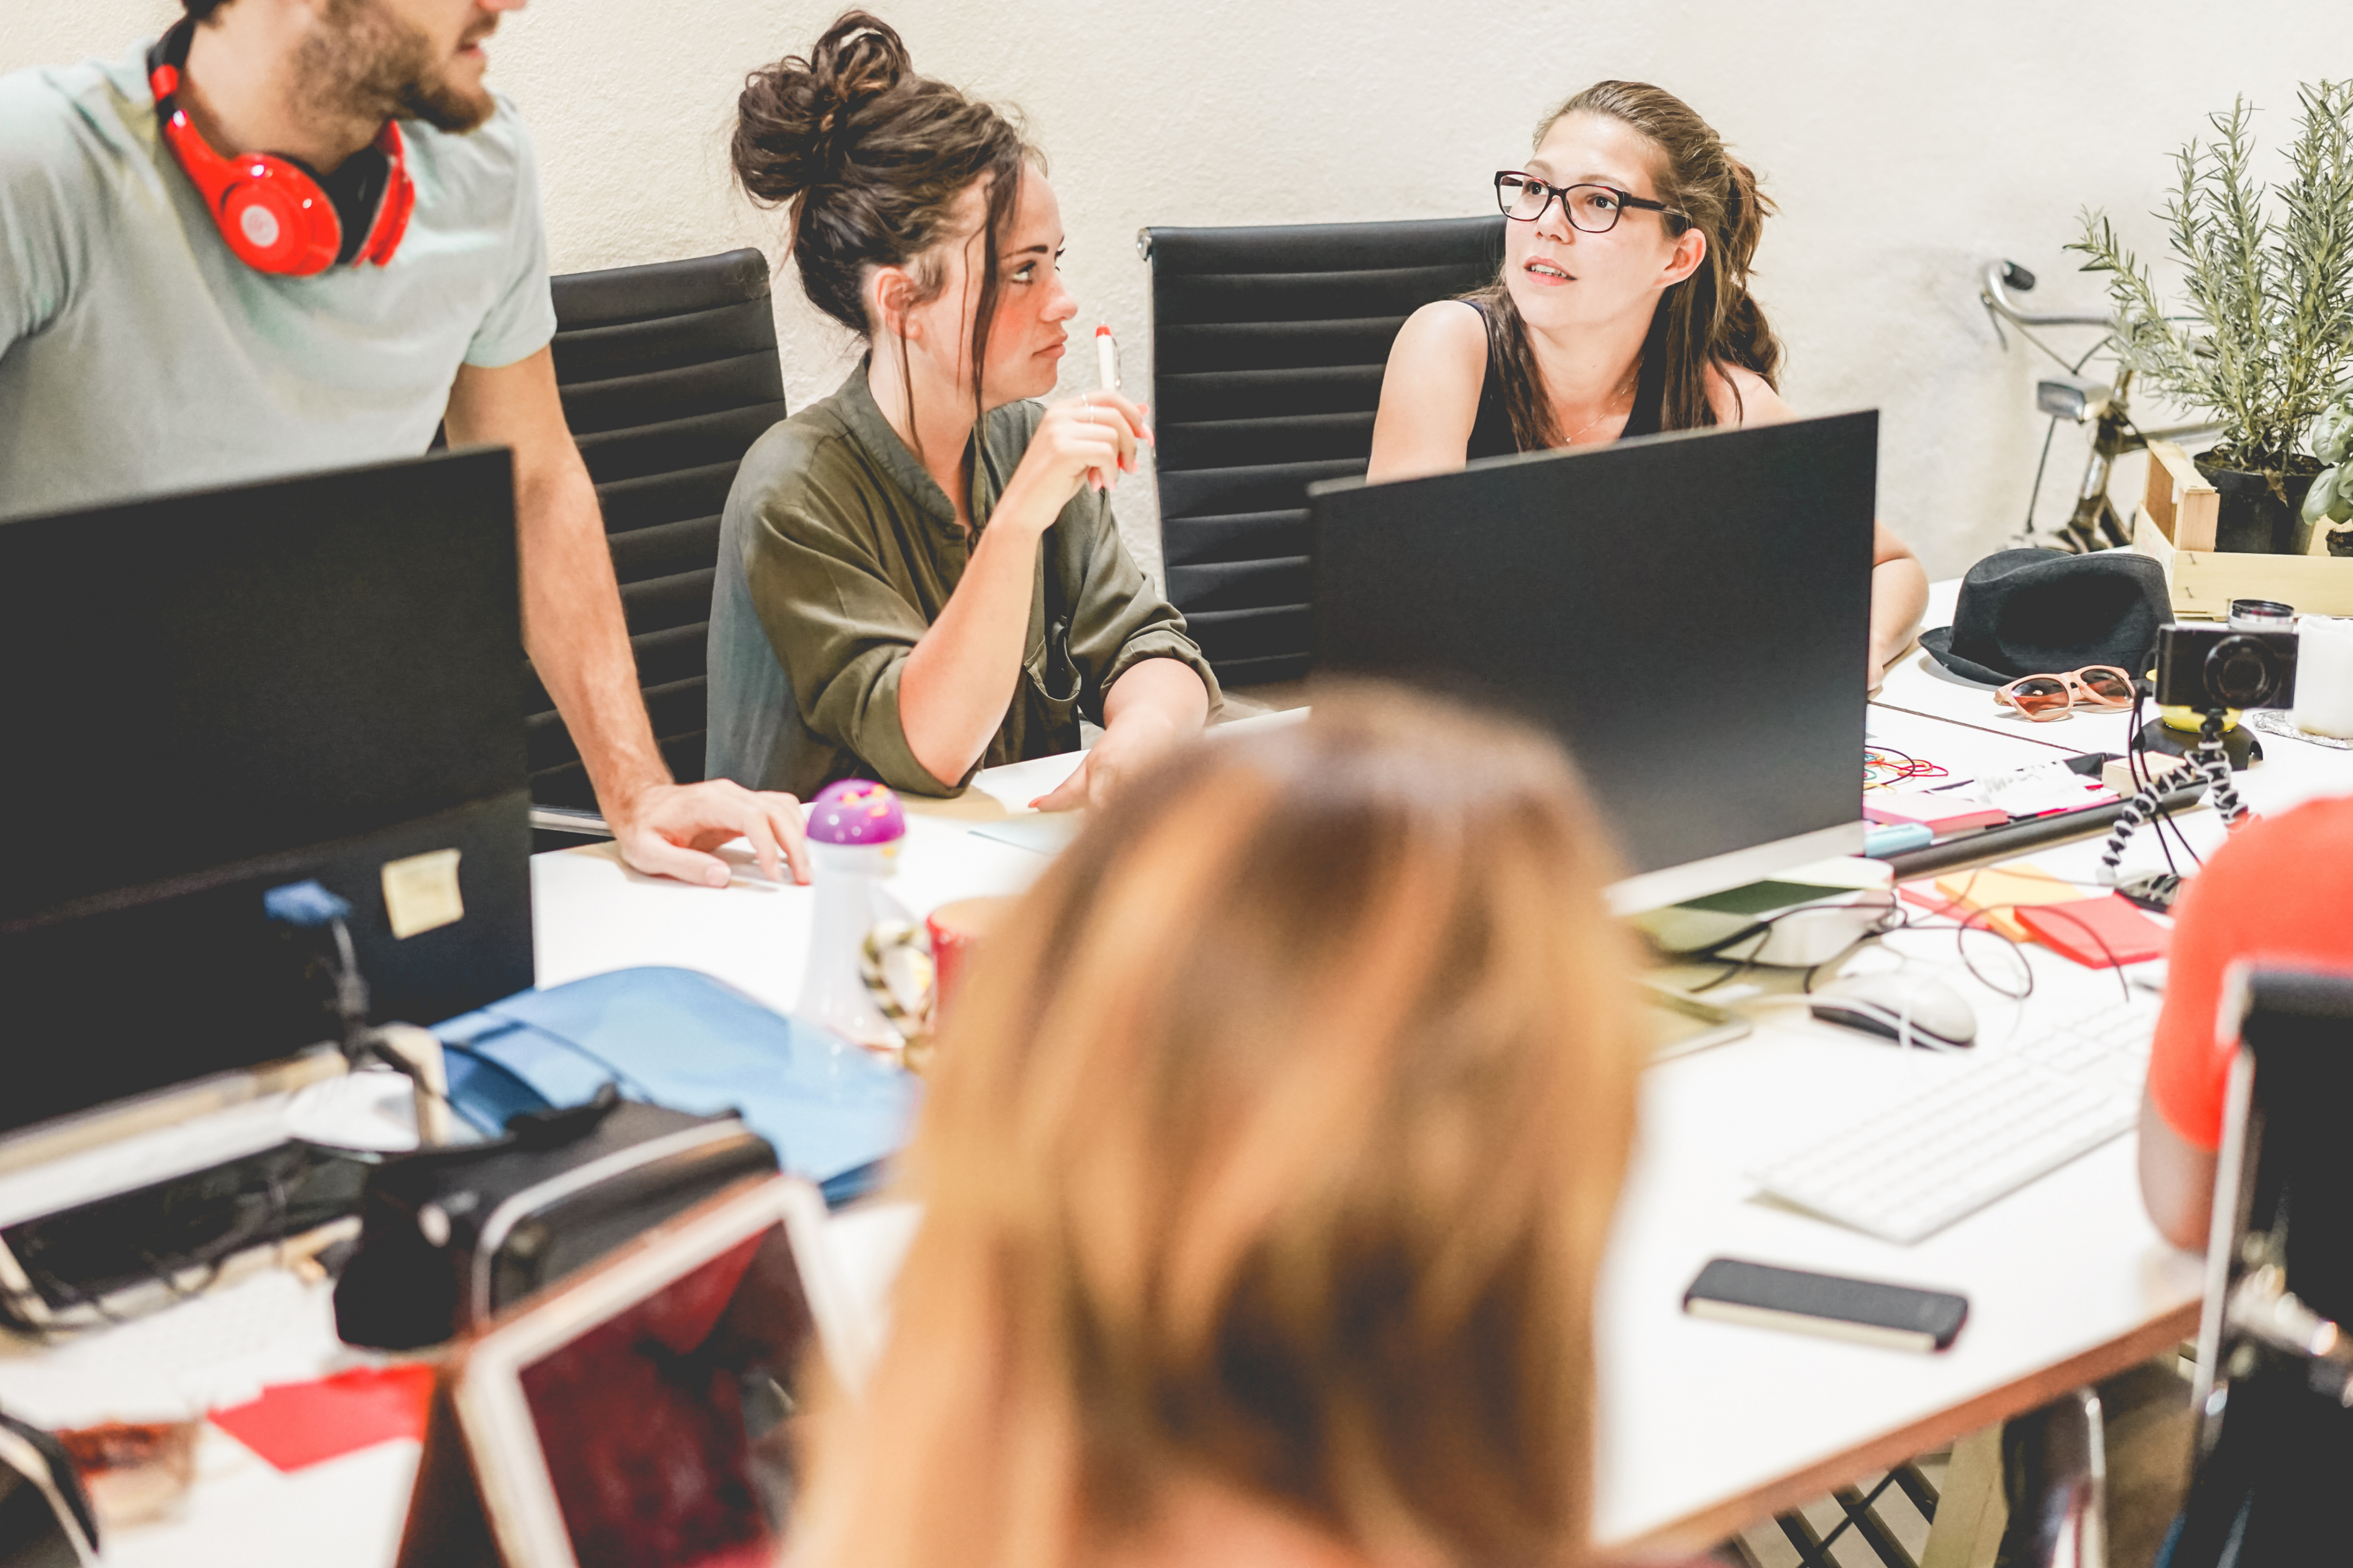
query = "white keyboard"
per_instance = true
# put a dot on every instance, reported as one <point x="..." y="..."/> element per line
<point x="1984" y="1132"/>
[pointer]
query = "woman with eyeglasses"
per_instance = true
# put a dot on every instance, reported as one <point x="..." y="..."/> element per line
<point x="1622" y="309"/>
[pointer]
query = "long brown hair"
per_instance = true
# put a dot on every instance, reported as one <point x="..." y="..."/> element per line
<point x="874" y="159"/>
<point x="1709" y="318"/>
<point x="1273" y="1147"/>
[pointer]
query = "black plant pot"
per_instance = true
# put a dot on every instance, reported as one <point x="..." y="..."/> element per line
<point x="2253" y="518"/>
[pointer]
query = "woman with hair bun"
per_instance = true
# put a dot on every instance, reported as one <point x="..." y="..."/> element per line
<point x="920" y="576"/>
<point x="1622" y="309"/>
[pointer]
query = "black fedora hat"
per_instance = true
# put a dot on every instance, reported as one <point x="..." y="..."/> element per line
<point x="2044" y="612"/>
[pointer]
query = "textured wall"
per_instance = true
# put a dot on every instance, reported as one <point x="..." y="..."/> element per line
<point x="1907" y="145"/>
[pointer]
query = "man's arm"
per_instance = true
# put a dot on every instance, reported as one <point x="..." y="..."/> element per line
<point x="580" y="645"/>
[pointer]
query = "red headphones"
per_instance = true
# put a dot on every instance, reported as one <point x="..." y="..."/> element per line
<point x="273" y="212"/>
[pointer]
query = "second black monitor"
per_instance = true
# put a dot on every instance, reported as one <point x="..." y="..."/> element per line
<point x="1690" y="613"/>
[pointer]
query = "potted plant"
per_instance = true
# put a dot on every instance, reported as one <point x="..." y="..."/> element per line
<point x="2269" y="328"/>
<point x="2328" y="505"/>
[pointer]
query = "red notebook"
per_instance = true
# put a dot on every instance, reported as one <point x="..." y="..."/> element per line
<point x="2096" y="933"/>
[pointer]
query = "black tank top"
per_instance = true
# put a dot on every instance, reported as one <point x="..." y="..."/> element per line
<point x="1491" y="430"/>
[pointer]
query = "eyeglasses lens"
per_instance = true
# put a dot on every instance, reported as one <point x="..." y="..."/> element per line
<point x="1592" y="208"/>
<point x="2042" y="696"/>
<point x="1522" y="198"/>
<point x="2105" y="683"/>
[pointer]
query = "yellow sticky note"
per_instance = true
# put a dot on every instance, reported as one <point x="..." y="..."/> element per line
<point x="420" y="893"/>
<point x="2002" y="888"/>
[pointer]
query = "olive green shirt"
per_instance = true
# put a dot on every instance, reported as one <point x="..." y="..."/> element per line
<point x="838" y="552"/>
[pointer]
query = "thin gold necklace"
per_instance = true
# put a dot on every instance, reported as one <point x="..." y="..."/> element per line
<point x="1623" y="387"/>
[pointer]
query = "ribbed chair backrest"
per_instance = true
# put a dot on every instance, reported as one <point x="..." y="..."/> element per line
<point x="1266" y="350"/>
<point x="669" y="374"/>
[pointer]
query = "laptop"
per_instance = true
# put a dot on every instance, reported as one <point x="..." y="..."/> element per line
<point x="642" y="1414"/>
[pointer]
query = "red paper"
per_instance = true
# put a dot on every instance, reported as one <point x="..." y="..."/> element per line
<point x="2095" y="932"/>
<point x="296" y="1425"/>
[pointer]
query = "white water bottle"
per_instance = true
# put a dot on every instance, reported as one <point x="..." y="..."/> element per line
<point x="2324" y="677"/>
<point x="855" y="827"/>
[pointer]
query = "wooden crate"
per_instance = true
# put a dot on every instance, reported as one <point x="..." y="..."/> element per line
<point x="2175" y="527"/>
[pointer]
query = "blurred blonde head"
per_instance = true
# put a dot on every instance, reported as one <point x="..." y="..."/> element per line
<point x="1273" y="1148"/>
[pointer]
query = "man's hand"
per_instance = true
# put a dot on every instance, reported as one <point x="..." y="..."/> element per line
<point x="669" y="831"/>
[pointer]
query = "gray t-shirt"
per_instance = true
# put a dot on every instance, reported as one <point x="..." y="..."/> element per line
<point x="137" y="353"/>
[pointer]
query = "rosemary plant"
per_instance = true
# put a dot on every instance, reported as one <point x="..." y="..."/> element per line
<point x="2269" y="332"/>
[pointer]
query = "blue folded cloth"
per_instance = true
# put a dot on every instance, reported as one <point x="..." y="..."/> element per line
<point x="676" y="1037"/>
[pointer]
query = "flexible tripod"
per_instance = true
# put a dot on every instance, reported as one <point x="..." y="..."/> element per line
<point x="2212" y="762"/>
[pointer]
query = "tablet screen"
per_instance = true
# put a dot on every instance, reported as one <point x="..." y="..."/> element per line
<point x="665" y="1427"/>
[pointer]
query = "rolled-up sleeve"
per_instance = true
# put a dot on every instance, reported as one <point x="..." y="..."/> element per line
<point x="1117" y="619"/>
<point x="840" y="628"/>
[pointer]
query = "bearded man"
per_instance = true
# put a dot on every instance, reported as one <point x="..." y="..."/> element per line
<point x="300" y="234"/>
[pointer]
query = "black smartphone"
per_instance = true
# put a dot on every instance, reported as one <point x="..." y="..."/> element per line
<point x="1896" y="1316"/>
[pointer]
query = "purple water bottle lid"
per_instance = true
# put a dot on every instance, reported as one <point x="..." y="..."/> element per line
<point x="856" y="811"/>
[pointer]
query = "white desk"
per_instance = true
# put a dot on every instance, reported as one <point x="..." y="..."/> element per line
<point x="1705" y="1426"/>
<point x="1709" y="1426"/>
<point x="2292" y="770"/>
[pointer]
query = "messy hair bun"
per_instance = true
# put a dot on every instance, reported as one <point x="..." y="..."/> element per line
<point x="873" y="159"/>
<point x="798" y="119"/>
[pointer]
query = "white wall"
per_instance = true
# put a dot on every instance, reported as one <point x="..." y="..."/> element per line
<point x="1906" y="143"/>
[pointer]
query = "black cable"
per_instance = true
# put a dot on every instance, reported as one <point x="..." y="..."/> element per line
<point x="1732" y="971"/>
<point x="2059" y="912"/>
<point x="2215" y="763"/>
<point x="2135" y="755"/>
<point x="1962" y="928"/>
<point x="2164" y="813"/>
<point x="1760" y="931"/>
<point x="211" y="1258"/>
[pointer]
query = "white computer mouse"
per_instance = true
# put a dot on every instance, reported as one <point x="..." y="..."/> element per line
<point x="1881" y="1005"/>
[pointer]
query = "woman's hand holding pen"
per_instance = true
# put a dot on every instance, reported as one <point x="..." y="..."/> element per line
<point x="1090" y="440"/>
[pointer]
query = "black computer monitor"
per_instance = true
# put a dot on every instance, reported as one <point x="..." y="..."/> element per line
<point x="1689" y="611"/>
<point x="215" y="693"/>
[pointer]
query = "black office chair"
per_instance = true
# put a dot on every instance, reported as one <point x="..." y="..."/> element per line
<point x="2275" y="1368"/>
<point x="669" y="374"/>
<point x="1267" y="348"/>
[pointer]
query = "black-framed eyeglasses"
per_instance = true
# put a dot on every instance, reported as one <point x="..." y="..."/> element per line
<point x="1594" y="209"/>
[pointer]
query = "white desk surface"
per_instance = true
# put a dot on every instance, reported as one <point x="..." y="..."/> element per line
<point x="1705" y="1426"/>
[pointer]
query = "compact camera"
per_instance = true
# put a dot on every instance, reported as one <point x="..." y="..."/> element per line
<point x="2206" y="667"/>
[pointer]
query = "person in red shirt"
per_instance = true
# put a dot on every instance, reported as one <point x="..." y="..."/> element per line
<point x="2279" y="892"/>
